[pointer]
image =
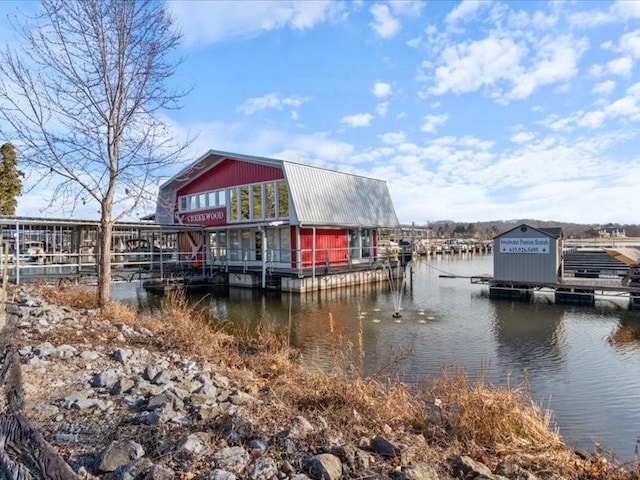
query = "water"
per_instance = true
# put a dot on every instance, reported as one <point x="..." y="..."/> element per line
<point x="582" y="363"/>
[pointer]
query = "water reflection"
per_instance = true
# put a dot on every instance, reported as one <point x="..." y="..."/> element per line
<point x="529" y="335"/>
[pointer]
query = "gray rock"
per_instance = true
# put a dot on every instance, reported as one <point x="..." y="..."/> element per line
<point x="121" y="355"/>
<point x="150" y="372"/>
<point x="66" y="351"/>
<point x="119" y="453"/>
<point x="45" y="350"/>
<point x="106" y="379"/>
<point x="65" y="437"/>
<point x="219" y="474"/>
<point x="194" y="444"/>
<point x="162" y="378"/>
<point x="243" y="398"/>
<point x="24" y="351"/>
<point x="384" y="447"/>
<point x="263" y="468"/>
<point x="89" y="355"/>
<point x="420" y="471"/>
<point x="324" y="467"/>
<point x="159" y="472"/>
<point x="124" y="385"/>
<point x="469" y="468"/>
<point x="300" y="427"/>
<point x="233" y="459"/>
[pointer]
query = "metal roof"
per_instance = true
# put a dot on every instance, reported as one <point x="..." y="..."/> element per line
<point x="327" y="197"/>
<point x="319" y="196"/>
<point x="555" y="232"/>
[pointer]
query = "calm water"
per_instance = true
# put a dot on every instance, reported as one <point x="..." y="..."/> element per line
<point x="583" y="363"/>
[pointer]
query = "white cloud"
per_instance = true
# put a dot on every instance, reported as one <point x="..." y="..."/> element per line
<point x="468" y="66"/>
<point x="556" y="60"/>
<point x="522" y="137"/>
<point x="384" y="24"/>
<point x="630" y="43"/>
<point x="392" y="138"/>
<point x="619" y="11"/>
<point x="357" y="120"/>
<point x="381" y="89"/>
<point x="210" y="22"/>
<point x="432" y="121"/>
<point x="620" y="66"/>
<point x="604" y="88"/>
<point x="271" y="101"/>
<point x="465" y="10"/>
<point x="408" y="8"/>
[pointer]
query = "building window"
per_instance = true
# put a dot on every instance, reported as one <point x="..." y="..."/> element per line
<point x="233" y="204"/>
<point x="245" y="214"/>
<point x="285" y="245"/>
<point x="202" y="200"/>
<point x="270" y="200"/>
<point x="283" y="200"/>
<point x="221" y="198"/>
<point x="212" y="200"/>
<point x="235" y="247"/>
<point x="257" y="202"/>
<point x="183" y="203"/>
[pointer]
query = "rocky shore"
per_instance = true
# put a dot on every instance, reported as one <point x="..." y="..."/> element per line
<point x="116" y="399"/>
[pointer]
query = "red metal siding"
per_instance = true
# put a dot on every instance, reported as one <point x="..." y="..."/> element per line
<point x="331" y="244"/>
<point x="229" y="173"/>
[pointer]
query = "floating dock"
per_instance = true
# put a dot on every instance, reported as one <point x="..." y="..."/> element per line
<point x="568" y="291"/>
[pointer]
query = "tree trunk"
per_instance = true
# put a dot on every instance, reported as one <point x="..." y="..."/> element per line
<point x="104" y="261"/>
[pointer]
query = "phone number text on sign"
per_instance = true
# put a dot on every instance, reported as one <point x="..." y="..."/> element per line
<point x="524" y="245"/>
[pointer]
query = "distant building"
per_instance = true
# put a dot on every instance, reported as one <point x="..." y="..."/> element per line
<point x="611" y="231"/>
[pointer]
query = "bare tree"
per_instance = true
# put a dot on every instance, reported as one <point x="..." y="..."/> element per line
<point x="82" y="97"/>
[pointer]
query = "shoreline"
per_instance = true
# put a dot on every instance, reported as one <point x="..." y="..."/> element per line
<point x="122" y="395"/>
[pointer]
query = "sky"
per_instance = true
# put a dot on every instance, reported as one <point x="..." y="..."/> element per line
<point x="470" y="111"/>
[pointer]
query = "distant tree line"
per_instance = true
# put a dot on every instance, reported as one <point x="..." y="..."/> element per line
<point x="488" y="230"/>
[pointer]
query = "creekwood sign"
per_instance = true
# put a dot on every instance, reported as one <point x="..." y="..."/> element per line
<point x="206" y="218"/>
<point x="525" y="245"/>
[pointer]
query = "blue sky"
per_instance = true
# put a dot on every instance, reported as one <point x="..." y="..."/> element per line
<point x="469" y="110"/>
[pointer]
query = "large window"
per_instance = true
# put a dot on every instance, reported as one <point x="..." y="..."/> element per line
<point x="270" y="200"/>
<point x="202" y="201"/>
<point x="283" y="200"/>
<point x="257" y="201"/>
<point x="233" y="204"/>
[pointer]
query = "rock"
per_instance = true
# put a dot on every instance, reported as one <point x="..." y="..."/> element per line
<point x="194" y="444"/>
<point x="324" y="467"/>
<point x="264" y="468"/>
<point x="66" y="351"/>
<point x="159" y="472"/>
<point x="514" y="472"/>
<point x="420" y="471"/>
<point x="300" y="427"/>
<point x="257" y="446"/>
<point x="469" y="468"/>
<point x="119" y="453"/>
<point x="243" y="398"/>
<point x="219" y="474"/>
<point x="233" y="459"/>
<point x="45" y="350"/>
<point x="123" y="385"/>
<point x="384" y="447"/>
<point x="106" y="379"/>
<point x="89" y="355"/>
<point x="121" y="355"/>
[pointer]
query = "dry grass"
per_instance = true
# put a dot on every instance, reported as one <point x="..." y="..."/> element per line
<point x="497" y="418"/>
<point x="453" y="414"/>
<point x="72" y="296"/>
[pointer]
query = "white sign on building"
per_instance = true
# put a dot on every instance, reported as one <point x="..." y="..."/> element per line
<point x="524" y="245"/>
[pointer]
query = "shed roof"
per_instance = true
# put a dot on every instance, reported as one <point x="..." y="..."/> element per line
<point x="319" y="196"/>
<point x="555" y="232"/>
